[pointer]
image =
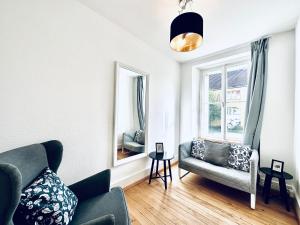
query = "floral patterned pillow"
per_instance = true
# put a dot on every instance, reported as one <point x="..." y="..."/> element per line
<point x="47" y="201"/>
<point x="198" y="149"/>
<point x="239" y="156"/>
<point x="139" y="137"/>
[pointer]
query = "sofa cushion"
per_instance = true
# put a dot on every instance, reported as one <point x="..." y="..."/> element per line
<point x="239" y="156"/>
<point x="47" y="201"/>
<point x="216" y="153"/>
<point x="112" y="202"/>
<point x="134" y="146"/>
<point x="198" y="149"/>
<point x="139" y="137"/>
<point x="231" y="177"/>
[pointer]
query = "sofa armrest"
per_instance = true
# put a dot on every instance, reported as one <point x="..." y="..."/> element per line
<point x="253" y="170"/>
<point x="10" y="192"/>
<point x="184" y="150"/>
<point x="127" y="138"/>
<point x="92" y="186"/>
<point x="103" y="220"/>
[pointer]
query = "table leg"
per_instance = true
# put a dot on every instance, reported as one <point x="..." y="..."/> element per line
<point x="170" y="170"/>
<point x="157" y="163"/>
<point x="151" y="171"/>
<point x="165" y="174"/>
<point x="263" y="191"/>
<point x="267" y="187"/>
<point x="283" y="193"/>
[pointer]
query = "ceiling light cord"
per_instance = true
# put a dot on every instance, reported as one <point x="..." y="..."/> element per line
<point x="183" y="5"/>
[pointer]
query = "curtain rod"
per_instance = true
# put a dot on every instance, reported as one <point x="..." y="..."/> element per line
<point x="238" y="47"/>
<point x="267" y="36"/>
<point x="262" y="37"/>
<point x="233" y="48"/>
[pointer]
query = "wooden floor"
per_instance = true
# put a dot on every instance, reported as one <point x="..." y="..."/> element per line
<point x="195" y="200"/>
<point x="125" y="154"/>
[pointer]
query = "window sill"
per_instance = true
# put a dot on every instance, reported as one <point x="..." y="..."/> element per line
<point x="232" y="141"/>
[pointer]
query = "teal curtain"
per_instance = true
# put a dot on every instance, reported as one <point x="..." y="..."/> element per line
<point x="256" y="93"/>
<point x="140" y="101"/>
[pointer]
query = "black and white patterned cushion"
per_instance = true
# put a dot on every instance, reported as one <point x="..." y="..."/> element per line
<point x="139" y="137"/>
<point x="47" y="201"/>
<point x="198" y="149"/>
<point x="239" y="156"/>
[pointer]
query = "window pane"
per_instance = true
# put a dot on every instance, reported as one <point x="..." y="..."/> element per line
<point x="214" y="123"/>
<point x="237" y="78"/>
<point x="215" y="81"/>
<point x="215" y="109"/>
<point x="211" y="111"/>
<point x="236" y="95"/>
<point x="237" y="82"/>
<point x="215" y="87"/>
<point x="235" y="120"/>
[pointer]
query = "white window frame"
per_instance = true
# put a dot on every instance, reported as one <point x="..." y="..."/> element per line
<point x="223" y="69"/>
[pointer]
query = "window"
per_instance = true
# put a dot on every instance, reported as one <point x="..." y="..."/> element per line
<point x="223" y="102"/>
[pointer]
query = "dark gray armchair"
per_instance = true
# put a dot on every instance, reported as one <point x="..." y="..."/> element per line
<point x="97" y="204"/>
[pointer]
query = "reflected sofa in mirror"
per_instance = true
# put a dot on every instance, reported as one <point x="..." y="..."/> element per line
<point x="131" y="105"/>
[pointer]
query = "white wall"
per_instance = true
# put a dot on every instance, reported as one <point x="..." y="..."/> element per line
<point x="278" y="123"/>
<point x="277" y="131"/>
<point x="297" y="118"/>
<point x="57" y="82"/>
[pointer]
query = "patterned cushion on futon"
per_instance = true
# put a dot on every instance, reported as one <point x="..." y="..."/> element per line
<point x="198" y="149"/>
<point x="239" y="156"/>
<point x="47" y="201"/>
<point x="139" y="137"/>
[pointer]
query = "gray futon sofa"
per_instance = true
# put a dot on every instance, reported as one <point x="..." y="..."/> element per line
<point x="244" y="181"/>
<point x="97" y="203"/>
<point x="131" y="144"/>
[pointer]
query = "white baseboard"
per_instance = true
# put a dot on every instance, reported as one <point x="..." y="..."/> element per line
<point x="130" y="179"/>
<point x="137" y="176"/>
<point x="296" y="204"/>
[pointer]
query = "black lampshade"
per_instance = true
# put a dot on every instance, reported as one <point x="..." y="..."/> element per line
<point x="186" y="32"/>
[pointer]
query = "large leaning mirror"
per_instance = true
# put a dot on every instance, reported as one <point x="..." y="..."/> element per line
<point x="131" y="114"/>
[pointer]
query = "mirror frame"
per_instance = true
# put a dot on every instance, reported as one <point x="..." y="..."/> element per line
<point x="117" y="162"/>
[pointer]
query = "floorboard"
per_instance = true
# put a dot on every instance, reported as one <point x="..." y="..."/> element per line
<point x="196" y="200"/>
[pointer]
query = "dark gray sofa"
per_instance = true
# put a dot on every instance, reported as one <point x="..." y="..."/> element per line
<point x="244" y="181"/>
<point x="97" y="205"/>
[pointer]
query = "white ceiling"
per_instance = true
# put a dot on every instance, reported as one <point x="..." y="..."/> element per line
<point x="227" y="23"/>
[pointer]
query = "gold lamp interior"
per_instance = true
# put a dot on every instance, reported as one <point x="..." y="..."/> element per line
<point x="186" y="42"/>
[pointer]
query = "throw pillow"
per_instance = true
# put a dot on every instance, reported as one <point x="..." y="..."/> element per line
<point x="139" y="137"/>
<point x="198" y="149"/>
<point x="47" y="201"/>
<point x="216" y="153"/>
<point x="239" y="156"/>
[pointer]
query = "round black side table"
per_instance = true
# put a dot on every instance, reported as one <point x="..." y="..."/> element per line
<point x="282" y="184"/>
<point x="161" y="157"/>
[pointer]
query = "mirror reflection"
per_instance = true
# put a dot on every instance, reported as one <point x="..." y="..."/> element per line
<point x="130" y="113"/>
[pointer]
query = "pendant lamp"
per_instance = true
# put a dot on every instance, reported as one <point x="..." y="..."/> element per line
<point x="186" y="30"/>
